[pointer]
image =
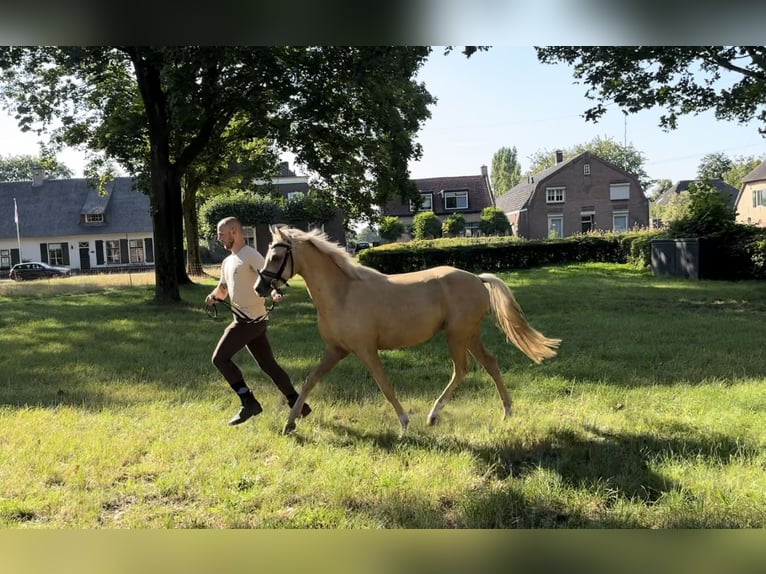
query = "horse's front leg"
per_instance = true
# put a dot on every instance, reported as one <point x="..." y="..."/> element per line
<point x="375" y="366"/>
<point x="331" y="357"/>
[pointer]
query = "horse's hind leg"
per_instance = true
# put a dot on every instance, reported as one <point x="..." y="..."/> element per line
<point x="373" y="363"/>
<point x="488" y="361"/>
<point x="331" y="357"/>
<point x="457" y="350"/>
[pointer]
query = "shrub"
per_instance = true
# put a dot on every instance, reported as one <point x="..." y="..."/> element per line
<point x="453" y="225"/>
<point x="390" y="228"/>
<point x="425" y="225"/>
<point x="494" y="222"/>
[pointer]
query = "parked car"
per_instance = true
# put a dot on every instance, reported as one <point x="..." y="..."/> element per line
<point x="37" y="270"/>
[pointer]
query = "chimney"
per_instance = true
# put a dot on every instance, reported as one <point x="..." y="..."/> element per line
<point x="38" y="175"/>
<point x="485" y="175"/>
<point x="559" y="156"/>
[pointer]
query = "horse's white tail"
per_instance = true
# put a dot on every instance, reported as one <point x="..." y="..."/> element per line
<point x="512" y="322"/>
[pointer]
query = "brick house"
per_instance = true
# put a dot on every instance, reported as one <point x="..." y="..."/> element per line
<point x="467" y="195"/>
<point x="751" y="198"/>
<point x="575" y="196"/>
<point x="67" y="222"/>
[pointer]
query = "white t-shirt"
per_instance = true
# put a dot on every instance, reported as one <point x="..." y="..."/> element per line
<point x="239" y="272"/>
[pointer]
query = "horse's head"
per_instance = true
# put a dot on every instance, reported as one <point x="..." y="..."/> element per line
<point x="275" y="273"/>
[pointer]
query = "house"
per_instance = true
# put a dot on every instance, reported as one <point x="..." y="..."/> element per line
<point x="289" y="185"/>
<point x="575" y="196"/>
<point x="727" y="192"/>
<point x="67" y="222"/>
<point x="751" y="199"/>
<point x="467" y="195"/>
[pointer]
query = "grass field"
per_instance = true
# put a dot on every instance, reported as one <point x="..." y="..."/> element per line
<point x="652" y="415"/>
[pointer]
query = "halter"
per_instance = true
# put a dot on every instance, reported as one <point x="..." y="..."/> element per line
<point x="270" y="277"/>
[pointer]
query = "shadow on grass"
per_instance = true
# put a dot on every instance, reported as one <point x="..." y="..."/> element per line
<point x="612" y="467"/>
<point x="618" y="326"/>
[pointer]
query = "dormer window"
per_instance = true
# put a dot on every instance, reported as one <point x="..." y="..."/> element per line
<point x="456" y="199"/>
<point x="426" y="203"/>
<point x="94" y="218"/>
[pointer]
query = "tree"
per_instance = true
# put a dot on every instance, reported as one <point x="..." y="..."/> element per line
<point x="741" y="166"/>
<point x="426" y="225"/>
<point x="453" y="225"/>
<point x="658" y="187"/>
<point x="706" y="213"/>
<point x="714" y="166"/>
<point x="506" y="170"/>
<point x="606" y="148"/>
<point x="19" y="167"/>
<point x="390" y="228"/>
<point x="494" y="222"/>
<point x="730" y="80"/>
<point x="350" y="115"/>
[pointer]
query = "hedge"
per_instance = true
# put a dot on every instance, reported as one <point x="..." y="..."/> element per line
<point x="499" y="254"/>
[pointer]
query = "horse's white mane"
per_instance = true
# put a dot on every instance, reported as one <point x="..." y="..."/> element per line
<point x="320" y="240"/>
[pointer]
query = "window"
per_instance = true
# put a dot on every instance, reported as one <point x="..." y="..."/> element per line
<point x="586" y="169"/>
<point x="5" y="258"/>
<point x="427" y="203"/>
<point x="619" y="191"/>
<point x="294" y="195"/>
<point x="620" y="221"/>
<point x="555" y="194"/>
<point x="759" y="197"/>
<point x="55" y="253"/>
<point x="136" y="250"/>
<point x="455" y="200"/>
<point x="249" y="233"/>
<point x="94" y="218"/>
<point x="586" y="221"/>
<point x="555" y="226"/>
<point x="113" y="251"/>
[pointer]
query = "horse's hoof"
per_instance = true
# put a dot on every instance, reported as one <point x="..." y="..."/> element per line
<point x="432" y="420"/>
<point x="289" y="428"/>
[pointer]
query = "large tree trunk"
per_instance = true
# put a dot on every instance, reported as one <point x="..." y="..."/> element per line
<point x="167" y="212"/>
<point x="165" y="248"/>
<point x="191" y="227"/>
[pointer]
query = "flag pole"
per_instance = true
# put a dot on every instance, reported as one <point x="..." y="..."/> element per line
<point x="18" y="236"/>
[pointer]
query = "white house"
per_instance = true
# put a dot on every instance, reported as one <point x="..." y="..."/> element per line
<point x="68" y="222"/>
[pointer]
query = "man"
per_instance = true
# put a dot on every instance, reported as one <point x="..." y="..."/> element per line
<point x="239" y="272"/>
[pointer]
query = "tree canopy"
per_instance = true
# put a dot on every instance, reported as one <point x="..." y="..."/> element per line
<point x="506" y="170"/>
<point x="714" y="166"/>
<point x="626" y="157"/>
<point x="729" y="80"/>
<point x="350" y="115"/>
<point x="19" y="167"/>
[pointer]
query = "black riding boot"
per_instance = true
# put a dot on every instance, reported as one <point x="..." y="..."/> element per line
<point x="250" y="408"/>
<point x="305" y="410"/>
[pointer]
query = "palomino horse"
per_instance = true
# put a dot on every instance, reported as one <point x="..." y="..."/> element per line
<point x="360" y="310"/>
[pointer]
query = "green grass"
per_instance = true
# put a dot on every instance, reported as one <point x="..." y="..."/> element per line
<point x="112" y="416"/>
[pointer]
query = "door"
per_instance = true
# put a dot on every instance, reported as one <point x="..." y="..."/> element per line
<point x="84" y="255"/>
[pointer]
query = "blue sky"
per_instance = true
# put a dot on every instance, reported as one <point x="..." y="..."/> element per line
<point x="505" y="97"/>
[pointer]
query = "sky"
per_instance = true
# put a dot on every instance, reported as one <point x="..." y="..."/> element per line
<point x="504" y="97"/>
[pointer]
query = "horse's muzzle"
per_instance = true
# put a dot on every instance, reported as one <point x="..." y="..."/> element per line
<point x="263" y="286"/>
